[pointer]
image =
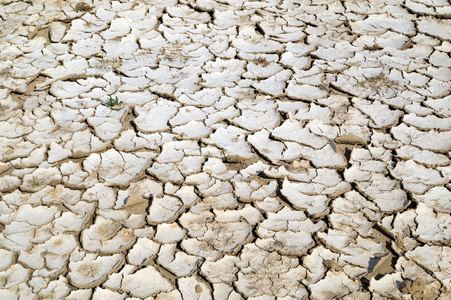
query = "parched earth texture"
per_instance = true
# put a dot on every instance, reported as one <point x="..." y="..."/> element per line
<point x="278" y="149"/>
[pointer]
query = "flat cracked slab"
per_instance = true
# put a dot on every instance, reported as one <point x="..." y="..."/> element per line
<point x="202" y="149"/>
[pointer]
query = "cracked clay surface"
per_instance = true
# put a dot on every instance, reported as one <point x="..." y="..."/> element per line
<point x="292" y="149"/>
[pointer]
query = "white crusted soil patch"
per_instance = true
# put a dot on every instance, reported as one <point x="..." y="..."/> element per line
<point x="258" y="149"/>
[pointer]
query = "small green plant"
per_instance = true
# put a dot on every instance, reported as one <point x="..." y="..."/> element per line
<point x="110" y="102"/>
<point x="83" y="7"/>
<point x="35" y="183"/>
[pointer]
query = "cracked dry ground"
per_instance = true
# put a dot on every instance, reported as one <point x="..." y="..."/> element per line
<point x="293" y="149"/>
